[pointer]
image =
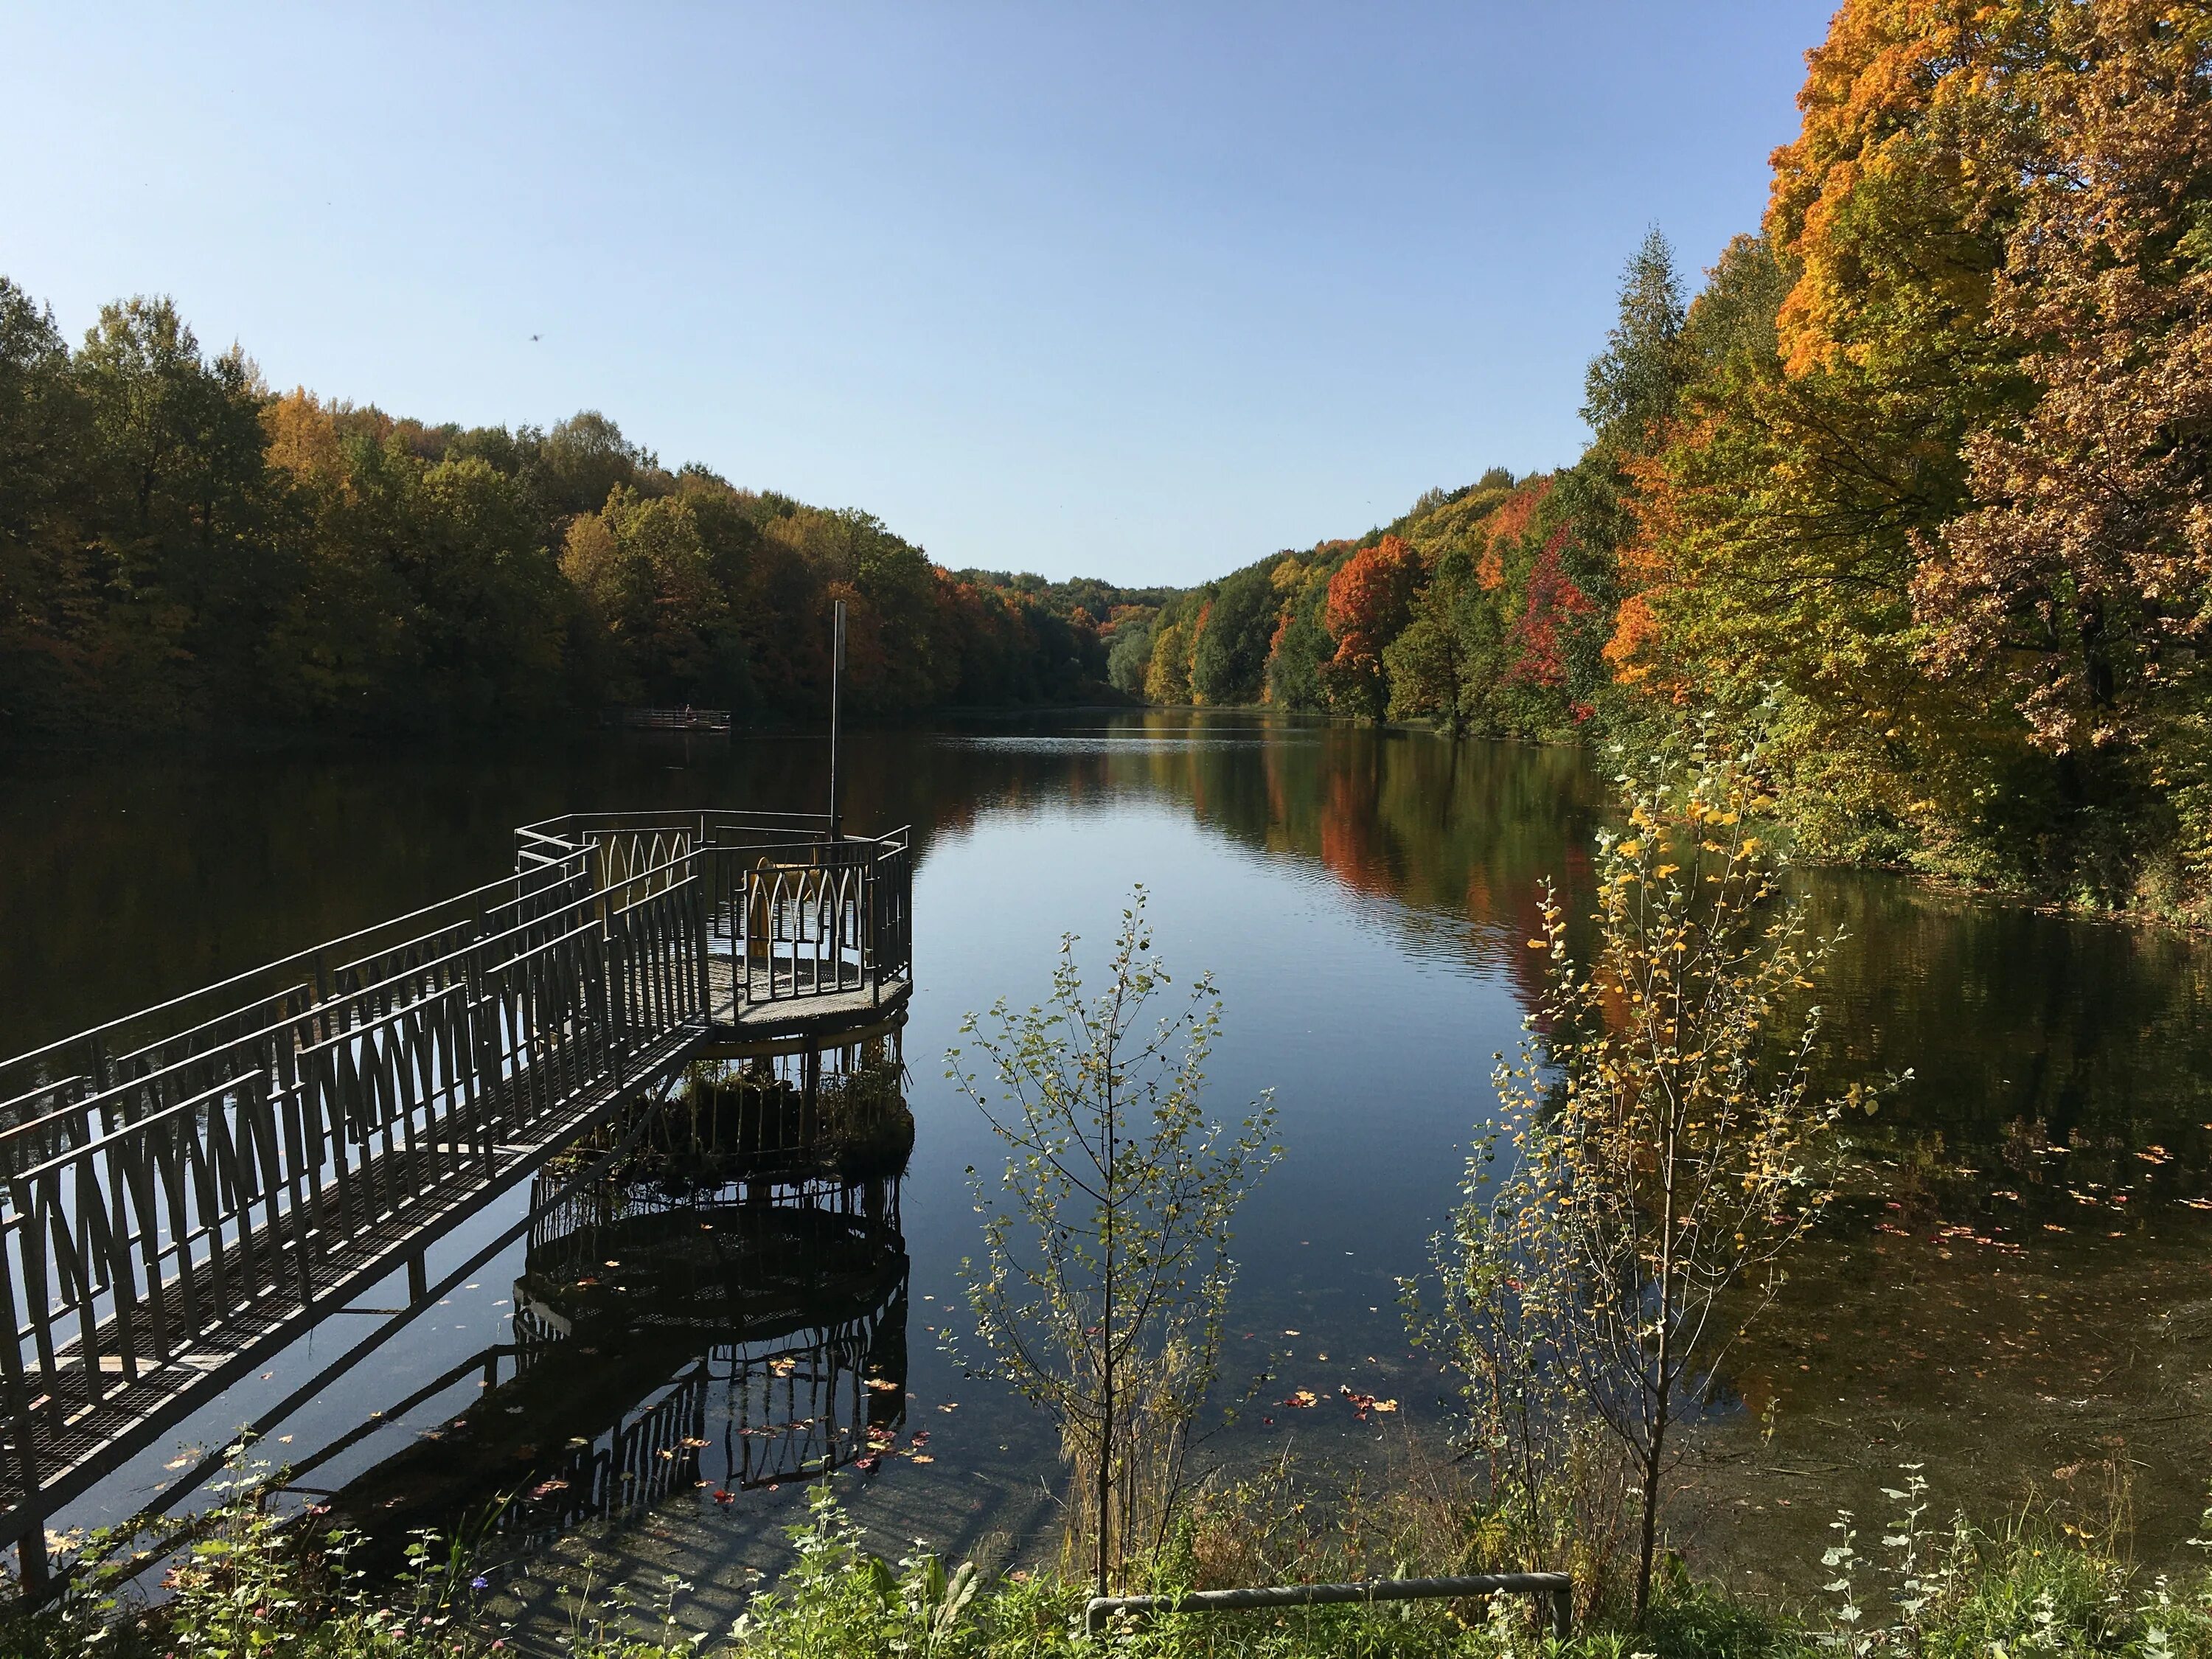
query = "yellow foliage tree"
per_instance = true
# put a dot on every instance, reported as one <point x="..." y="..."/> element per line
<point x="1668" y="1140"/>
<point x="1167" y="676"/>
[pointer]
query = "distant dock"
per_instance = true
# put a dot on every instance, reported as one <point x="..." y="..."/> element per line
<point x="669" y="720"/>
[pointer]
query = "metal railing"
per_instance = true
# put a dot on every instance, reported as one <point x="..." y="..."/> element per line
<point x="796" y="910"/>
<point x="297" y="999"/>
<point x="180" y="1185"/>
<point x="153" y="1227"/>
<point x="1556" y="1589"/>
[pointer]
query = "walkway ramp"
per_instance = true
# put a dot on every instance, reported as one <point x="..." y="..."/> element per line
<point x="184" y="1191"/>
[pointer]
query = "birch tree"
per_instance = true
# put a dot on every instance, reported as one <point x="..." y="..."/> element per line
<point x="1666" y="1147"/>
<point x="1106" y="1266"/>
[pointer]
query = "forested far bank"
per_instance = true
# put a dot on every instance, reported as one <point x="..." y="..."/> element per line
<point x="183" y="550"/>
<point x="1918" y="482"/>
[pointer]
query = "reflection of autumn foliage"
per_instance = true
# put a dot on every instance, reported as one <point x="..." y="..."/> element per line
<point x="1369" y="601"/>
<point x="1350" y="834"/>
<point x="1554" y="601"/>
<point x="1457" y="839"/>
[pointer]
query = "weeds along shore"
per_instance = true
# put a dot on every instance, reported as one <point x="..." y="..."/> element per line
<point x="242" y="1581"/>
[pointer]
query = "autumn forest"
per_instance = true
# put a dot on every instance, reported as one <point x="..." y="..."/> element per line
<point x="1913" y="481"/>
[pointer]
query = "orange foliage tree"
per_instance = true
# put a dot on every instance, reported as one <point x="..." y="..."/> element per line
<point x="1369" y="602"/>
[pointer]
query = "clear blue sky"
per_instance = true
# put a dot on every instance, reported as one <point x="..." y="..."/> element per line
<point x="1137" y="291"/>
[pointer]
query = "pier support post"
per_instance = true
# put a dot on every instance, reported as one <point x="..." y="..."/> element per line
<point x="31" y="1562"/>
<point x="418" y="1280"/>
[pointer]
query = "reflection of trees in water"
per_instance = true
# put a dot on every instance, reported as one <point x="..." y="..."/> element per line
<point x="2022" y="1029"/>
<point x="1453" y="833"/>
<point x="2008" y="1016"/>
<point x="1433" y="823"/>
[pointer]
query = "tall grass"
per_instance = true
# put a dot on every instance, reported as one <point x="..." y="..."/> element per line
<point x="245" y="1585"/>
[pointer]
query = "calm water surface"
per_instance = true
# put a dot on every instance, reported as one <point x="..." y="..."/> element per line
<point x="2017" y="1292"/>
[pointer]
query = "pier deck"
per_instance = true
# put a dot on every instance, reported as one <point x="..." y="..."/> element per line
<point x="186" y="1191"/>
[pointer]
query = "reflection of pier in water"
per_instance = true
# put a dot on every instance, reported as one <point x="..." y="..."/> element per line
<point x="734" y="1344"/>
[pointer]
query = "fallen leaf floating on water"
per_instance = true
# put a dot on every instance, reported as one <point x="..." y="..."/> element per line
<point x="1363" y="1403"/>
<point x="921" y="1457"/>
<point x="1302" y="1399"/>
<point x="882" y="1385"/>
<point x="868" y="1465"/>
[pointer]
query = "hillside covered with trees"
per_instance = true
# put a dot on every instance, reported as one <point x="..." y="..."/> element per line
<point x="181" y="548"/>
<point x="1916" y="480"/>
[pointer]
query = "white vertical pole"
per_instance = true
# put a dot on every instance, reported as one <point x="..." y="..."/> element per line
<point x="836" y="675"/>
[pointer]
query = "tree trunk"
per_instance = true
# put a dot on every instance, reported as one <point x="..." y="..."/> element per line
<point x="1654" y="1447"/>
<point x="1113" y="1216"/>
<point x="1651" y="1535"/>
<point x="1105" y="1480"/>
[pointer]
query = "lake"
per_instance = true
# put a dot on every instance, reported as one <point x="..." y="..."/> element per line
<point x="2016" y="1291"/>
